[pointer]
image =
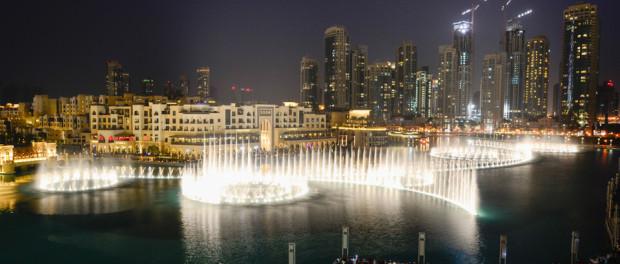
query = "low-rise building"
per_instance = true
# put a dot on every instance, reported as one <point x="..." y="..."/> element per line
<point x="181" y="129"/>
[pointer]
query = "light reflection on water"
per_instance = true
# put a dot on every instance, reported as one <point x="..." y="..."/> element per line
<point x="382" y="221"/>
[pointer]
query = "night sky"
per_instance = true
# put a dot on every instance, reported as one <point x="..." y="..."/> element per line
<point x="60" y="47"/>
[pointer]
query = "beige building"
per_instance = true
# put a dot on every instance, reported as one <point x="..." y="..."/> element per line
<point x="181" y="129"/>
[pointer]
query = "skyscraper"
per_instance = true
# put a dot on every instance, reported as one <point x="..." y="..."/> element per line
<point x="184" y="85"/>
<point x="463" y="44"/>
<point x="204" y="83"/>
<point x="406" y="67"/>
<point x="308" y="91"/>
<point x="381" y="87"/>
<point x="447" y="81"/>
<point x="536" y="77"/>
<point x="579" y="66"/>
<point x="337" y="69"/>
<point x="148" y="86"/>
<point x="423" y="82"/>
<point x="514" y="47"/>
<point x="359" y="91"/>
<point x="116" y="81"/>
<point x="492" y="88"/>
<point x="170" y="90"/>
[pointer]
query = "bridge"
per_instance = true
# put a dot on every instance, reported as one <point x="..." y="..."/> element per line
<point x="12" y="160"/>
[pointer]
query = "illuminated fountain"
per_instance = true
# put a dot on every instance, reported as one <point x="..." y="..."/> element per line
<point x="486" y="154"/>
<point x="551" y="147"/>
<point x="76" y="176"/>
<point x="149" y="172"/>
<point x="237" y="174"/>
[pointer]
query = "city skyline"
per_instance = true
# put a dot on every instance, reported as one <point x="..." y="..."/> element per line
<point x="279" y="74"/>
<point x="401" y="131"/>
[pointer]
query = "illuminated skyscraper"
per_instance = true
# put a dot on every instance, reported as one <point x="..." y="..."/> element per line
<point x="423" y="89"/>
<point x="337" y="69"/>
<point x="463" y="44"/>
<point x="579" y="66"/>
<point x="204" y="83"/>
<point x="359" y="91"/>
<point x="308" y="90"/>
<point x="382" y="89"/>
<point x="514" y="47"/>
<point x="447" y="81"/>
<point x="492" y="89"/>
<point x="406" y="67"/>
<point x="536" y="77"/>
<point x="116" y="81"/>
<point x="148" y="86"/>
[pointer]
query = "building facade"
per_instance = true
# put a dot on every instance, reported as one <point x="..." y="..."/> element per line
<point x="337" y="89"/>
<point x="406" y="68"/>
<point x="203" y="90"/>
<point x="148" y="86"/>
<point x="514" y="47"/>
<point x="447" y="81"/>
<point x="116" y="80"/>
<point x="423" y="89"/>
<point x="536" y="77"/>
<point x="463" y="44"/>
<point x="382" y="90"/>
<point x="181" y="129"/>
<point x="580" y="63"/>
<point x="309" y="83"/>
<point x="359" y="91"/>
<point x="492" y="91"/>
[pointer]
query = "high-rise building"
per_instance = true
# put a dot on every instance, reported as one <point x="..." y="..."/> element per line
<point x="309" y="82"/>
<point x="116" y="81"/>
<point x="337" y="89"/>
<point x="148" y="86"/>
<point x="607" y="101"/>
<point x="435" y="97"/>
<point x="170" y="90"/>
<point x="492" y="90"/>
<point x="447" y="81"/>
<point x="579" y="66"/>
<point x="184" y="85"/>
<point x="514" y="47"/>
<point x="406" y="67"/>
<point x="359" y="91"/>
<point x="423" y="85"/>
<point x="204" y="83"/>
<point x="536" y="77"/>
<point x="381" y="86"/>
<point x="556" y="101"/>
<point x="463" y="44"/>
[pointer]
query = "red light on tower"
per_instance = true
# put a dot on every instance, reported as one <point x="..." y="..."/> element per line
<point x="233" y="88"/>
<point x="610" y="83"/>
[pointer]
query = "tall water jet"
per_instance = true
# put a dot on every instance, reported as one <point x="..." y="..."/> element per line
<point x="237" y="174"/>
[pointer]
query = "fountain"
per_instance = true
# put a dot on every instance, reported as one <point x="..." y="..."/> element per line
<point x="243" y="176"/>
<point x="552" y="148"/>
<point x="237" y="174"/>
<point x="76" y="176"/>
<point x="486" y="154"/>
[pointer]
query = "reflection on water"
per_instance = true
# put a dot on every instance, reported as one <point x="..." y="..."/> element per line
<point x="20" y="192"/>
<point x="382" y="221"/>
<point x="9" y="194"/>
<point x="95" y="202"/>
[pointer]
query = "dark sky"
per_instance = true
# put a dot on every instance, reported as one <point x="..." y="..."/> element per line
<point x="59" y="47"/>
